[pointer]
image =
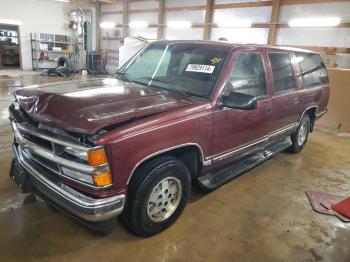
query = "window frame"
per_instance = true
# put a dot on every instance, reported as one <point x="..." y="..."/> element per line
<point x="234" y="59"/>
<point x="300" y="73"/>
<point x="296" y="85"/>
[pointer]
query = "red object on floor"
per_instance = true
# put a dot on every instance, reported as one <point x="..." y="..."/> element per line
<point x="318" y="201"/>
<point x="342" y="207"/>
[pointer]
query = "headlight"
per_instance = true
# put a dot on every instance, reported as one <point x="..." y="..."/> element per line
<point x="75" y="152"/>
<point x="94" y="157"/>
<point x="78" y="175"/>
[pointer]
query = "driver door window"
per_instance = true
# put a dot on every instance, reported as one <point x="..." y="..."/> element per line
<point x="247" y="76"/>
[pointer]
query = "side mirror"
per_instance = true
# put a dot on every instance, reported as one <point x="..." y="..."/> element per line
<point x="239" y="101"/>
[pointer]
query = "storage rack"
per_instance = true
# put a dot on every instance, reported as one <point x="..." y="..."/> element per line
<point x="43" y="55"/>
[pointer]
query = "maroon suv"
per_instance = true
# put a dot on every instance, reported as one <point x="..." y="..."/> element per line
<point x="177" y="112"/>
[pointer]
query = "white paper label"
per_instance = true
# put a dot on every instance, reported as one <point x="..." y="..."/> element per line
<point x="208" y="69"/>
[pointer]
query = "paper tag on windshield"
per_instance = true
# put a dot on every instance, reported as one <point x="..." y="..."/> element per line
<point x="208" y="69"/>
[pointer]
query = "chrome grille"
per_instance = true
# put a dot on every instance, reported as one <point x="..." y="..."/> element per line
<point x="46" y="149"/>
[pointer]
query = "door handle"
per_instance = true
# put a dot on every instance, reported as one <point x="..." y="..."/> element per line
<point x="268" y="109"/>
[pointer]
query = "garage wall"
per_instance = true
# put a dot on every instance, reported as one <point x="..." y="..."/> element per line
<point x="36" y="16"/>
<point x="194" y="11"/>
<point x="334" y="37"/>
<point x="243" y="35"/>
<point x="39" y="16"/>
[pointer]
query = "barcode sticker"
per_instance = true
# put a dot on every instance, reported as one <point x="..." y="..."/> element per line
<point x="208" y="69"/>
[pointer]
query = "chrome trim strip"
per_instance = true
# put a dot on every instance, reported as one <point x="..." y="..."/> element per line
<point x="49" y="155"/>
<point x="207" y="162"/>
<point x="75" y="197"/>
<point x="321" y="113"/>
<point x="146" y="130"/>
<point x="229" y="154"/>
<point x="34" y="131"/>
<point x="282" y="130"/>
<point x="275" y="133"/>
<point x="163" y="151"/>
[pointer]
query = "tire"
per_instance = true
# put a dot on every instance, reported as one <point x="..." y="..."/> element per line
<point x="299" y="138"/>
<point x="157" y="195"/>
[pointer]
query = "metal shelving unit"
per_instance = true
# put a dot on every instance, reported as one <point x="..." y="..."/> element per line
<point x="43" y="55"/>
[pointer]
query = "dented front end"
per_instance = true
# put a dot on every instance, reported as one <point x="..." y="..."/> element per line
<point x="63" y="169"/>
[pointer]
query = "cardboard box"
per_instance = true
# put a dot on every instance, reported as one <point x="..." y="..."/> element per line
<point x="338" y="115"/>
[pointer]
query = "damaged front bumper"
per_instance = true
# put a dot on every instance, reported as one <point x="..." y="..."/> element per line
<point x="30" y="176"/>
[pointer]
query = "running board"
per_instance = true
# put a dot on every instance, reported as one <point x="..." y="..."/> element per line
<point x="212" y="181"/>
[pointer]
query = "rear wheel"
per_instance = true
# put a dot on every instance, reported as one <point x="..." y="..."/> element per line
<point x="157" y="195"/>
<point x="299" y="138"/>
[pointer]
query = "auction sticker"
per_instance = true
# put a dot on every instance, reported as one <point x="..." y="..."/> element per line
<point x="208" y="69"/>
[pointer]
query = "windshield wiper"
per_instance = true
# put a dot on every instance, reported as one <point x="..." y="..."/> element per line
<point x="123" y="76"/>
<point x="158" y="79"/>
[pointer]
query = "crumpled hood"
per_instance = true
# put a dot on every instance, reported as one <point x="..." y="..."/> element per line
<point x="87" y="106"/>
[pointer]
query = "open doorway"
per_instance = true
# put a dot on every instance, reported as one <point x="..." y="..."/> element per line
<point x="9" y="47"/>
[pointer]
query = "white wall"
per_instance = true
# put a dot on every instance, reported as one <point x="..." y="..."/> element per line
<point x="38" y="16"/>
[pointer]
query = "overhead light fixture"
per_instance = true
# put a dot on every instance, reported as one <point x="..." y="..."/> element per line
<point x="138" y="24"/>
<point x="314" y="22"/>
<point x="66" y="1"/>
<point x="234" y="23"/>
<point x="107" y="25"/>
<point x="10" y="22"/>
<point x="179" y="24"/>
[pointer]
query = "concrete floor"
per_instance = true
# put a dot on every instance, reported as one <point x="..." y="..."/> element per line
<point x="263" y="215"/>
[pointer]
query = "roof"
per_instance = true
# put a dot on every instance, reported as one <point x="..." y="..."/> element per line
<point x="239" y="45"/>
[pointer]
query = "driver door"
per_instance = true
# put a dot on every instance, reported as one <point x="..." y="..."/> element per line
<point x="237" y="133"/>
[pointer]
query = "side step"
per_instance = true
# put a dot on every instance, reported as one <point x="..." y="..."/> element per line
<point x="214" y="180"/>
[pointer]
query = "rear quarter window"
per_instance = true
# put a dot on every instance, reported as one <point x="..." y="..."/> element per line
<point x="312" y="69"/>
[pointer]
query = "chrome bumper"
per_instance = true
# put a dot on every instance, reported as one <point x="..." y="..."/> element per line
<point x="71" y="200"/>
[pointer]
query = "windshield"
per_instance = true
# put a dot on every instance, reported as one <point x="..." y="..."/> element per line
<point x="190" y="69"/>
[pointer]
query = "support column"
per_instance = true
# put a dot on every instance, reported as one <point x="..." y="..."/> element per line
<point x="273" y="22"/>
<point x="208" y="19"/>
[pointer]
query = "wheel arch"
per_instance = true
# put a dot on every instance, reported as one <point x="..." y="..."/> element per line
<point x="190" y="153"/>
<point x="311" y="111"/>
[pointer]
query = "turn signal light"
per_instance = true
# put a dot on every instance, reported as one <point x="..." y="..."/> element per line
<point x="103" y="179"/>
<point x="97" y="157"/>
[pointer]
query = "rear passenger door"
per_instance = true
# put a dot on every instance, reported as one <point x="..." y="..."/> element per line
<point x="285" y="104"/>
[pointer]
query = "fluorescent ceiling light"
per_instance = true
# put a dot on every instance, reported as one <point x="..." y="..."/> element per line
<point x="107" y="25"/>
<point x="314" y="22"/>
<point x="10" y="22"/>
<point x="66" y="1"/>
<point x="179" y="24"/>
<point x="234" y="23"/>
<point x="138" y="24"/>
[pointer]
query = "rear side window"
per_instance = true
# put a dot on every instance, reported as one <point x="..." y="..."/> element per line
<point x="282" y="72"/>
<point x="313" y="70"/>
<point x="247" y="75"/>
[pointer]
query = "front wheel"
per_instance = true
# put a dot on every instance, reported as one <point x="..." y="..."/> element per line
<point x="299" y="138"/>
<point x="157" y="195"/>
